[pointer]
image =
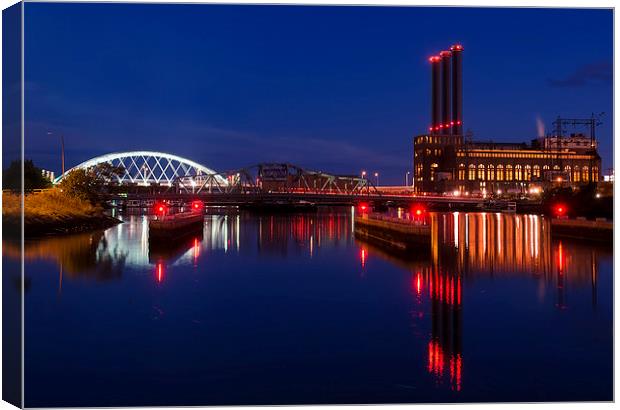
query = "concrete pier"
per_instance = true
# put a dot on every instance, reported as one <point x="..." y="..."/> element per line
<point x="399" y="234"/>
<point x="597" y="230"/>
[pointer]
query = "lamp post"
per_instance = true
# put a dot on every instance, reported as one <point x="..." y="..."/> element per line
<point x="407" y="178"/>
<point x="376" y="179"/>
<point x="365" y="182"/>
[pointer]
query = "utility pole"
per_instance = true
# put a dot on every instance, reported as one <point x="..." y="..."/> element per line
<point x="62" y="153"/>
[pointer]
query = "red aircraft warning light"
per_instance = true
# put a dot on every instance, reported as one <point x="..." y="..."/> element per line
<point x="364" y="207"/>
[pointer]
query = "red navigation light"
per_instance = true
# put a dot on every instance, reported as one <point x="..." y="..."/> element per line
<point x="451" y="122"/>
<point x="430" y="128"/>
<point x="456" y="47"/>
<point x="161" y="209"/>
<point x="560" y="209"/>
<point x="458" y="123"/>
<point x="418" y="210"/>
<point x="197" y="205"/>
<point x="363" y="207"/>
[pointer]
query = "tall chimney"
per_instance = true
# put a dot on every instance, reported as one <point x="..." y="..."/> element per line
<point x="444" y="127"/>
<point x="457" y="90"/>
<point x="435" y="94"/>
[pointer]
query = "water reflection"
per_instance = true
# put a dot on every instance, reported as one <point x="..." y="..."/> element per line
<point x="84" y="256"/>
<point x="466" y="248"/>
<point x="282" y="234"/>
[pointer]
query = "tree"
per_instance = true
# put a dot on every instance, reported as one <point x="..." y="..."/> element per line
<point x="91" y="183"/>
<point x="33" y="178"/>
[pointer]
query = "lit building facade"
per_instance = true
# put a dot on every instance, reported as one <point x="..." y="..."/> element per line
<point x="446" y="164"/>
<point x="444" y="160"/>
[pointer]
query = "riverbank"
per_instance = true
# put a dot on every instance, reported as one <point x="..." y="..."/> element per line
<point x="52" y="213"/>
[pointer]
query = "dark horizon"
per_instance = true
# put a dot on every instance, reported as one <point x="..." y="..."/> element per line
<point x="331" y="88"/>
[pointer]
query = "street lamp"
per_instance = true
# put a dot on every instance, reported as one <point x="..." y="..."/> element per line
<point x="377" y="178"/>
<point x="407" y="178"/>
<point x="365" y="182"/>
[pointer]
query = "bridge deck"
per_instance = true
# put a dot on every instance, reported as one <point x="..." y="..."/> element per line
<point x="224" y="199"/>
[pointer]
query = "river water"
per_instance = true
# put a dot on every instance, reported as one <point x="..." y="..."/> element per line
<point x="285" y="309"/>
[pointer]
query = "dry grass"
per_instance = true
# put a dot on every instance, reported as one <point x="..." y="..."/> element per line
<point x="47" y="206"/>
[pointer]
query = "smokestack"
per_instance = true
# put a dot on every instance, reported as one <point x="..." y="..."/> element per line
<point x="435" y="94"/>
<point x="457" y="89"/>
<point x="444" y="127"/>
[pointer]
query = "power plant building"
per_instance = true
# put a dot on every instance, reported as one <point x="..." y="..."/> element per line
<point x="445" y="160"/>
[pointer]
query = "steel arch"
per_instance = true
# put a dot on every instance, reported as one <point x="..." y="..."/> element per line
<point x="148" y="167"/>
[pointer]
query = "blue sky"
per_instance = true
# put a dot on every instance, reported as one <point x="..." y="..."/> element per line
<point x="338" y="89"/>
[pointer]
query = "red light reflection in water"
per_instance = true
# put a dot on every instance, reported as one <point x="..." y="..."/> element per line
<point x="561" y="263"/>
<point x="418" y="285"/>
<point x="363" y="257"/>
<point x="196" y="251"/>
<point x="445" y="360"/>
<point x="159" y="271"/>
<point x="560" y="259"/>
<point x="437" y="363"/>
<point x="456" y="367"/>
<point x="435" y="358"/>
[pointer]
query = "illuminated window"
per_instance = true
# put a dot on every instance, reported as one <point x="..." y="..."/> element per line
<point x="490" y="173"/>
<point x="536" y="171"/>
<point x="481" y="172"/>
<point x="472" y="172"/>
<point x="595" y="174"/>
<point x="433" y="170"/>
<point x="518" y="173"/>
<point x="576" y="174"/>
<point x="556" y="167"/>
<point x="508" y="172"/>
<point x="500" y="172"/>
<point x="528" y="173"/>
<point x="585" y="174"/>
<point x="462" y="172"/>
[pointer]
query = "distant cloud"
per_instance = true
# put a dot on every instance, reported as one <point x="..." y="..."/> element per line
<point x="593" y="73"/>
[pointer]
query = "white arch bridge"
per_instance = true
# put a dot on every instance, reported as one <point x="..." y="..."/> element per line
<point x="148" y="168"/>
